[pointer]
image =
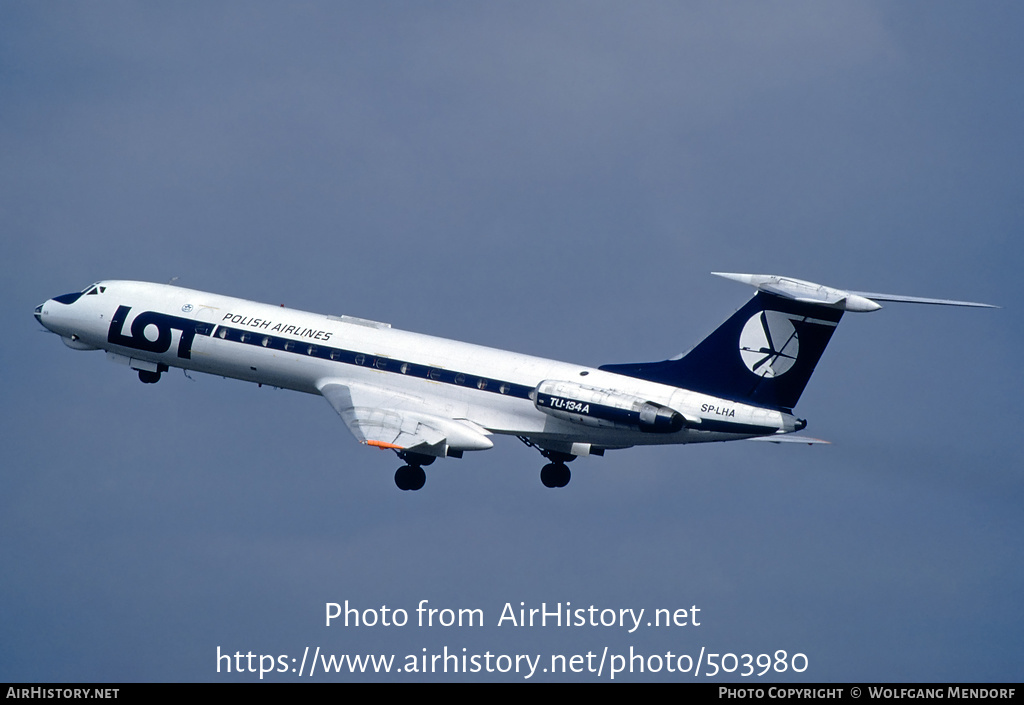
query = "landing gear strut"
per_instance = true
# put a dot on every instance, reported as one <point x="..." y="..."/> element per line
<point x="411" y="476"/>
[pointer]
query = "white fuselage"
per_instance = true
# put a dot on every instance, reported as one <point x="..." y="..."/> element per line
<point x="492" y="389"/>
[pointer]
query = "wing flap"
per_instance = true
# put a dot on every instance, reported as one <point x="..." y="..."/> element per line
<point x="391" y="420"/>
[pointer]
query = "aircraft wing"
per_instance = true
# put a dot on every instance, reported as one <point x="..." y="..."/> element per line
<point x="392" y="420"/>
<point x="787" y="438"/>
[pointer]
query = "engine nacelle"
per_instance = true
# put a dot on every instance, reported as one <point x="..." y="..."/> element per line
<point x="603" y="407"/>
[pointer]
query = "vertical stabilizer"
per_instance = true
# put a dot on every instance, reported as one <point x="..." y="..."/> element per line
<point x="764" y="354"/>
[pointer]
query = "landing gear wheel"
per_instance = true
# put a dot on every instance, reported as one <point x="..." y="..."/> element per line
<point x="148" y="377"/>
<point x="410" y="477"/>
<point x="555" y="475"/>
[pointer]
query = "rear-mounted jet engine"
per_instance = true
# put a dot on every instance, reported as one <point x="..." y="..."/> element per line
<point x="602" y="407"/>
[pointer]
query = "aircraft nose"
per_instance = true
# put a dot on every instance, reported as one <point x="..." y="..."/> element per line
<point x="40" y="312"/>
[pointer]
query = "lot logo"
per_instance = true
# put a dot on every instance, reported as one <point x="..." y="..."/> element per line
<point x="769" y="344"/>
<point x="152" y="332"/>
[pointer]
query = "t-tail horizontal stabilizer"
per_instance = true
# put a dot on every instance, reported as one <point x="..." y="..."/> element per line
<point x="809" y="292"/>
<point x="765" y="353"/>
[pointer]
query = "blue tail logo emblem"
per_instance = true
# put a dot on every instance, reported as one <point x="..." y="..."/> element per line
<point x="769" y="344"/>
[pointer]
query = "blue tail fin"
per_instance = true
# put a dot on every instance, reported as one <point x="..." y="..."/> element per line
<point x="764" y="354"/>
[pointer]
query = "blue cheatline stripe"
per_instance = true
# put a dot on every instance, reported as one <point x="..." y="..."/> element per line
<point x="413" y="369"/>
<point x="378" y="362"/>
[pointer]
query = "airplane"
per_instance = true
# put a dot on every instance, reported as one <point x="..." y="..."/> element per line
<point x="425" y="397"/>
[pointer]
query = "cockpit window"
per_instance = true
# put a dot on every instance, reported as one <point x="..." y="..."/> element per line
<point x="90" y="290"/>
<point x="67" y="299"/>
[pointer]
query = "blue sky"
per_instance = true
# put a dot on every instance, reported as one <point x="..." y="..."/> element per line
<point x="552" y="178"/>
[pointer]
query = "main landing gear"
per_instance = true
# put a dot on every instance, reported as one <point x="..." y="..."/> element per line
<point x="411" y="476"/>
<point x="555" y="473"/>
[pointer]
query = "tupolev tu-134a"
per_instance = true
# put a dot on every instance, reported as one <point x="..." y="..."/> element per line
<point x="426" y="397"/>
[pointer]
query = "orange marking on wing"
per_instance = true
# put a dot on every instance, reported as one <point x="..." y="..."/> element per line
<point x="384" y="446"/>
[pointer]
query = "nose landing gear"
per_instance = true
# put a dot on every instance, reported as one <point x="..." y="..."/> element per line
<point x="152" y="376"/>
